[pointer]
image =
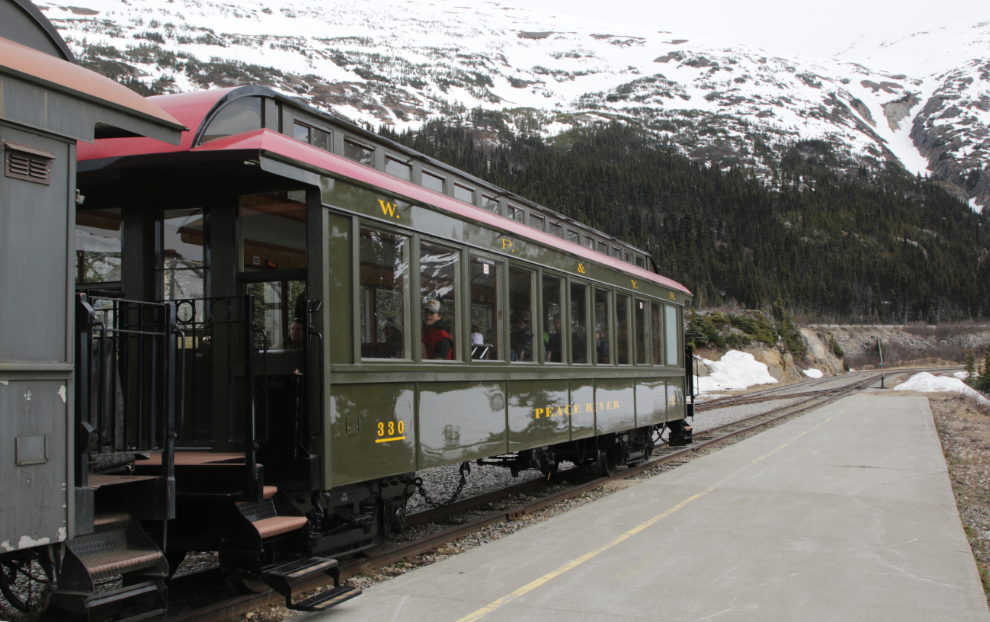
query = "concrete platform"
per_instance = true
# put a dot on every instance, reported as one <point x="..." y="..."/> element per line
<point x="845" y="513"/>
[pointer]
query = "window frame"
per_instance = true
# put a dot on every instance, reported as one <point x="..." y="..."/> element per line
<point x="406" y="162"/>
<point x="503" y="328"/>
<point x="459" y="331"/>
<point x="353" y="141"/>
<point x="408" y="314"/>
<point x="588" y="319"/>
<point x="565" y="350"/>
<point x="535" y="322"/>
<point x="473" y="191"/>
<point x="609" y="319"/>
<point x="429" y="173"/>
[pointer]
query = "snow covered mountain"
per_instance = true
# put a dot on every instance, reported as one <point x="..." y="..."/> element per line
<point x="921" y="100"/>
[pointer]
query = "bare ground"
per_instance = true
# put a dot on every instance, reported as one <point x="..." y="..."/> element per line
<point x="964" y="429"/>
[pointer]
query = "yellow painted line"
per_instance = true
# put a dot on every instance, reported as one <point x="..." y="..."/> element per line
<point x="529" y="587"/>
<point x="389" y="440"/>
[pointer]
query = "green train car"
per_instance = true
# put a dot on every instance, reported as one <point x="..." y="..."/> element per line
<point x="347" y="313"/>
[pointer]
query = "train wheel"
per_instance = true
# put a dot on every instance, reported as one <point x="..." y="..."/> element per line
<point x="244" y="585"/>
<point x="26" y="581"/>
<point x="606" y="461"/>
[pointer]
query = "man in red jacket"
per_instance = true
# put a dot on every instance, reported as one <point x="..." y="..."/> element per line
<point x="437" y="343"/>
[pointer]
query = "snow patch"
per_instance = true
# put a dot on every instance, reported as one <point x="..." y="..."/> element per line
<point x="812" y="373"/>
<point x="6" y="545"/>
<point x="737" y="370"/>
<point x="62" y="533"/>
<point x="927" y="383"/>
<point x="61" y="393"/>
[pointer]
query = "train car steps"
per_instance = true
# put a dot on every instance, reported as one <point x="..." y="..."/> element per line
<point x="281" y="579"/>
<point x="264" y="516"/>
<point x="118" y="547"/>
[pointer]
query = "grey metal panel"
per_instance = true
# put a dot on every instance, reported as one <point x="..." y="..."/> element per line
<point x="22" y="22"/>
<point x="33" y="494"/>
<point x="34" y="247"/>
<point x="45" y="107"/>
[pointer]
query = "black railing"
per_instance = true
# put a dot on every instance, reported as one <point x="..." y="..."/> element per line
<point x="126" y="397"/>
<point x="223" y="403"/>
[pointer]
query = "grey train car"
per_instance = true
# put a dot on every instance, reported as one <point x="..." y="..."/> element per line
<point x="47" y="103"/>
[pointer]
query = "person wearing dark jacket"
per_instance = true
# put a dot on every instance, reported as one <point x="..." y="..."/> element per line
<point x="437" y="343"/>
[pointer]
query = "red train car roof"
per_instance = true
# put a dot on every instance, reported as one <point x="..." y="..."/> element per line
<point x="193" y="109"/>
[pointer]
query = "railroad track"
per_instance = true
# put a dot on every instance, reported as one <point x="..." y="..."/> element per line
<point x="664" y="454"/>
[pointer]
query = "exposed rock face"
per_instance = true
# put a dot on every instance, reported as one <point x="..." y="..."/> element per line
<point x="820" y="355"/>
<point x="951" y="130"/>
<point x="900" y="109"/>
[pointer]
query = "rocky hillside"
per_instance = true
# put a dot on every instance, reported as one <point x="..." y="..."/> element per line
<point x="399" y="63"/>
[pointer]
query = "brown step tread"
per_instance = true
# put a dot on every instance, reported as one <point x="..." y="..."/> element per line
<point x="106" y="522"/>
<point x="98" y="481"/>
<point x="113" y="563"/>
<point x="278" y="525"/>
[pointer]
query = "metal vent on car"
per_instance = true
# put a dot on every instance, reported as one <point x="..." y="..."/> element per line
<point x="27" y="163"/>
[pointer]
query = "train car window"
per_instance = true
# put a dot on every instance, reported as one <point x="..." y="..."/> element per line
<point x="579" y="323"/>
<point x="273" y="231"/>
<point x="642" y="334"/>
<point x="384" y="292"/>
<point x="432" y="182"/>
<point x="464" y="193"/>
<point x="617" y="253"/>
<point x="278" y="307"/>
<point x="603" y="248"/>
<point x="656" y="332"/>
<point x="629" y="258"/>
<point x="486" y="309"/>
<point x="537" y="222"/>
<point x="589" y="242"/>
<point x="319" y="138"/>
<point x="556" y="229"/>
<point x="553" y="308"/>
<point x="516" y="214"/>
<point x="359" y="153"/>
<point x="183" y="262"/>
<point x="300" y="132"/>
<point x="439" y="274"/>
<point x="98" y="253"/>
<point x="572" y="236"/>
<point x="641" y="262"/>
<point x="397" y="168"/>
<point x="489" y="203"/>
<point x="240" y="115"/>
<point x="522" y="304"/>
<point x="622" y="330"/>
<point x="673" y="352"/>
<point x="602" y="325"/>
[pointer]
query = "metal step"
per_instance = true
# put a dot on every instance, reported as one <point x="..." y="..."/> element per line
<point x="117" y="548"/>
<point x="325" y="600"/>
<point x="111" y="551"/>
<point x="265" y="518"/>
<point x="281" y="579"/>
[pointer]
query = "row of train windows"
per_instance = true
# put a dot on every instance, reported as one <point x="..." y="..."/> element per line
<point x="247" y="113"/>
<point x="517" y="314"/>
<point x="403" y="170"/>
